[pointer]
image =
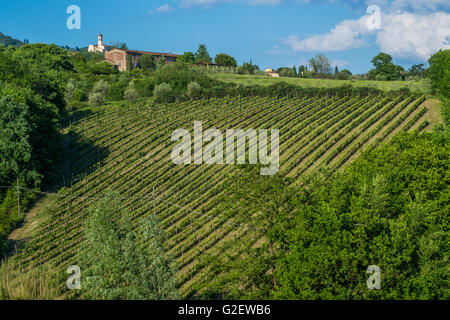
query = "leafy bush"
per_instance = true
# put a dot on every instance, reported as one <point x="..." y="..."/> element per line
<point x="96" y="99"/>
<point x="163" y="93"/>
<point x="131" y="93"/>
<point x="194" y="90"/>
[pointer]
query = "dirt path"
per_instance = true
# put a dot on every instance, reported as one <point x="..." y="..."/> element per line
<point x="33" y="218"/>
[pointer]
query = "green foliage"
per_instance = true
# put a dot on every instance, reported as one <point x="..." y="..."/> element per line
<point x="180" y="75"/>
<point x="160" y="63"/>
<point x="194" y="90"/>
<point x="147" y="62"/>
<point x="98" y="93"/>
<point x="119" y="263"/>
<point x="320" y="64"/>
<point x="187" y="57"/>
<point x="96" y="99"/>
<point x="389" y="208"/>
<point x="103" y="67"/>
<point x="145" y="86"/>
<point x="416" y="70"/>
<point x="101" y="86"/>
<point x="344" y="75"/>
<point x="225" y="60"/>
<point x="287" y="72"/>
<point x="439" y="72"/>
<point x="247" y="68"/>
<point x="202" y="54"/>
<point x="163" y="93"/>
<point x="385" y="69"/>
<point x="131" y="94"/>
<point x="15" y="146"/>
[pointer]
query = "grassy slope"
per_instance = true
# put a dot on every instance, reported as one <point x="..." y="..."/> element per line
<point x="128" y="149"/>
<point x="414" y="86"/>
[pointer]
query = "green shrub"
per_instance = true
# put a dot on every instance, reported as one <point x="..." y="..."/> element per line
<point x="194" y="90"/>
<point x="163" y="93"/>
<point x="96" y="99"/>
<point x="131" y="94"/>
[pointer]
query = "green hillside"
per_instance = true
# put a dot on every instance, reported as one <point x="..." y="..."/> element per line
<point x="8" y="41"/>
<point x="128" y="149"/>
<point x="417" y="86"/>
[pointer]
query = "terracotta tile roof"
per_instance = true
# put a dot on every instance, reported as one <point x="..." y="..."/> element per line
<point x="149" y="52"/>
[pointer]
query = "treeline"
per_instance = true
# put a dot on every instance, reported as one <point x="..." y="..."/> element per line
<point x="320" y="67"/>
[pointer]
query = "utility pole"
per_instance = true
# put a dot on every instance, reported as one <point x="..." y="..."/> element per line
<point x="18" y="199"/>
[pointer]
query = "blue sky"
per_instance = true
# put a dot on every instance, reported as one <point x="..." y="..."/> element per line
<point x="273" y="33"/>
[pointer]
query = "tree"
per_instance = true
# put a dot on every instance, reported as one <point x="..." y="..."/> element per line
<point x="163" y="93"/>
<point x="118" y="263"/>
<point x="15" y="146"/>
<point x="187" y="57"/>
<point x="147" y="62"/>
<point x="225" y="60"/>
<point x="344" y="74"/>
<point x="101" y="86"/>
<point x="336" y="71"/>
<point x="287" y="72"/>
<point x="202" y="54"/>
<point x="194" y="90"/>
<point x="96" y="99"/>
<point x="247" y="68"/>
<point x="320" y="64"/>
<point x="160" y="62"/>
<point x="130" y="93"/>
<point x="439" y="72"/>
<point x="416" y="70"/>
<point x="385" y="69"/>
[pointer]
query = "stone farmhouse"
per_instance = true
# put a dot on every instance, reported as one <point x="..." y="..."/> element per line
<point x="124" y="59"/>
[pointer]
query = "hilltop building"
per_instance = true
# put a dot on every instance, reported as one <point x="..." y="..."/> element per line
<point x="272" y="73"/>
<point x="124" y="59"/>
<point x="99" y="47"/>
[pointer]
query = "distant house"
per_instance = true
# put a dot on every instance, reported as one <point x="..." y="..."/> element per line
<point x="129" y="59"/>
<point x="272" y="73"/>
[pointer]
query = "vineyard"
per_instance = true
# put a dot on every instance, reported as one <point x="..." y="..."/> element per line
<point x="128" y="149"/>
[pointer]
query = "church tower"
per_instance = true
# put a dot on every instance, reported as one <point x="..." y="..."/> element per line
<point x="100" y="40"/>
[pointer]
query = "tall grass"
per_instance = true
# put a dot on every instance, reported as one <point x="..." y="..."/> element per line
<point x="39" y="283"/>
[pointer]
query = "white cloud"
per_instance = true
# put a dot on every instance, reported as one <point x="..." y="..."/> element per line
<point x="420" y="6"/>
<point x="348" y="34"/>
<point x="162" y="9"/>
<point x="408" y="35"/>
<point x="403" y="35"/>
<point x="202" y="3"/>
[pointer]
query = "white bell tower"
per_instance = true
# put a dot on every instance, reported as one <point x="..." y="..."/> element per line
<point x="100" y="40"/>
